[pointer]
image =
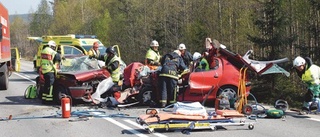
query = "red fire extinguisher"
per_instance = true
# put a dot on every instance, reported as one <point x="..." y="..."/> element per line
<point x="65" y="106"/>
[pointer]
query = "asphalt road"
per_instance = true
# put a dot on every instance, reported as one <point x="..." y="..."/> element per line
<point x="31" y="118"/>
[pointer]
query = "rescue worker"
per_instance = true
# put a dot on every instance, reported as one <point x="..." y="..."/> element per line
<point x="94" y="52"/>
<point x="309" y="74"/>
<point x="49" y="60"/>
<point x="152" y="58"/>
<point x="196" y="60"/>
<point x="200" y="62"/>
<point x="172" y="63"/>
<point x="186" y="55"/>
<point x="112" y="64"/>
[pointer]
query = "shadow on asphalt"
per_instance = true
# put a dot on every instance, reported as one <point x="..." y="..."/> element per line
<point x="20" y="100"/>
<point x="28" y="72"/>
<point x="296" y="115"/>
<point x="21" y="80"/>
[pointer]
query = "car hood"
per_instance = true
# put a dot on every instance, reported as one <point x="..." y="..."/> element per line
<point x="87" y="75"/>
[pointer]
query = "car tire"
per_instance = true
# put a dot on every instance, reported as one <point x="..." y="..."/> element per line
<point x="145" y="96"/>
<point x="58" y="90"/>
<point x="231" y="92"/>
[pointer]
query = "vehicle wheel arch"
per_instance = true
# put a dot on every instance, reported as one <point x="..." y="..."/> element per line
<point x="146" y="94"/>
<point x="221" y="88"/>
<point x="58" y="90"/>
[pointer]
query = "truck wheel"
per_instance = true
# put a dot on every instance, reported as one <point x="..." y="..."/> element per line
<point x="4" y="78"/>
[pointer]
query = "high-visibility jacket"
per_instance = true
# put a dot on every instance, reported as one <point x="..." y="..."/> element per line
<point x="47" y="65"/>
<point x="312" y="75"/>
<point x="115" y="74"/>
<point x="203" y="64"/>
<point x="154" y="56"/>
<point x="93" y="53"/>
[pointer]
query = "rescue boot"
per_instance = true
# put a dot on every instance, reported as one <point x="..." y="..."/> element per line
<point x="304" y="109"/>
<point x="163" y="104"/>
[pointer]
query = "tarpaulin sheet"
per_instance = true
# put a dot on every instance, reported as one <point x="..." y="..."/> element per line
<point x="276" y="69"/>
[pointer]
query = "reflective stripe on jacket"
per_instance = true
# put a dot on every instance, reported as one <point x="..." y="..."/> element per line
<point x="47" y="56"/>
<point x="171" y="64"/>
<point x="115" y="74"/>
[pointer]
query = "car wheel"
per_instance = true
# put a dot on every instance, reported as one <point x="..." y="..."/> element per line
<point x="230" y="92"/>
<point x="145" y="96"/>
<point x="58" y="92"/>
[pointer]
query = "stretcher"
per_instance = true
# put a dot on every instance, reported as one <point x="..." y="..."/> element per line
<point x="153" y="120"/>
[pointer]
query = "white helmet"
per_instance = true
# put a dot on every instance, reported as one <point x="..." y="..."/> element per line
<point x="52" y="43"/>
<point x="298" y="61"/>
<point x="154" y="43"/>
<point x="196" y="56"/>
<point x="182" y="47"/>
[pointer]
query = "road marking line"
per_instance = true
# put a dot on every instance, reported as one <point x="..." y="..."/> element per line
<point x="24" y="77"/>
<point x="314" y="119"/>
<point x="125" y="127"/>
<point x="139" y="126"/>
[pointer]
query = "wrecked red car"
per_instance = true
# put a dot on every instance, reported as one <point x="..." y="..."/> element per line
<point x="222" y="78"/>
<point x="199" y="86"/>
<point x="227" y="75"/>
<point x="78" y="78"/>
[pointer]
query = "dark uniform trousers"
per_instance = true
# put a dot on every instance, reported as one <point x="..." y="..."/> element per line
<point x="168" y="87"/>
<point x="48" y="87"/>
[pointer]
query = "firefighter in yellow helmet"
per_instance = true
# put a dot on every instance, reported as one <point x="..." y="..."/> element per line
<point x="49" y="60"/>
<point x="152" y="59"/>
<point x="94" y="51"/>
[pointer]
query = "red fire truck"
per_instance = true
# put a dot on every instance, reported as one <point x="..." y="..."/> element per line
<point x="5" y="51"/>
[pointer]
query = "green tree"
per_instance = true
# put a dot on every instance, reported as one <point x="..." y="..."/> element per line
<point x="272" y="22"/>
<point x="19" y="31"/>
<point x="41" y="21"/>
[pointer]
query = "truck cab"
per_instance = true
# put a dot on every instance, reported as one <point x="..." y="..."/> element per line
<point x="5" y="53"/>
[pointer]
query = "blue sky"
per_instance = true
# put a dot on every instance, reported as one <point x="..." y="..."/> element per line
<point x="21" y="6"/>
